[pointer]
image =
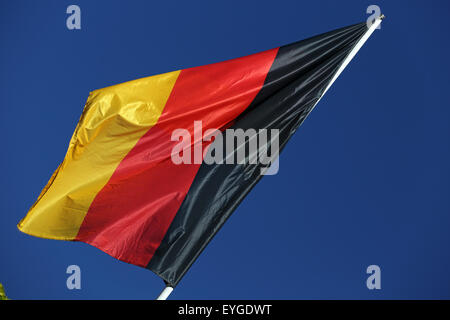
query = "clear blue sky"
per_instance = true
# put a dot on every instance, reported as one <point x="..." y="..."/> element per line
<point x="364" y="181"/>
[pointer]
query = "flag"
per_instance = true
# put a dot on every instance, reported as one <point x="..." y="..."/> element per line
<point x="121" y="186"/>
<point x="2" y="293"/>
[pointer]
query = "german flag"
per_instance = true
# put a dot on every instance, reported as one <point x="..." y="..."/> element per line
<point x="118" y="188"/>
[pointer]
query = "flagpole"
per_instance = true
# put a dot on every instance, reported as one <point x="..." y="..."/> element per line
<point x="355" y="50"/>
<point x="168" y="289"/>
<point x="165" y="293"/>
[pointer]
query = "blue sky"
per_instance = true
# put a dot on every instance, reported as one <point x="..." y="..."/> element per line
<point x="364" y="181"/>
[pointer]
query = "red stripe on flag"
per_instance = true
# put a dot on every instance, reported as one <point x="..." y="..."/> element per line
<point x="131" y="214"/>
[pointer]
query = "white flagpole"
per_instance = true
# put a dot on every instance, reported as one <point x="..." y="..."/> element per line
<point x="168" y="290"/>
<point x="355" y="50"/>
<point x="165" y="293"/>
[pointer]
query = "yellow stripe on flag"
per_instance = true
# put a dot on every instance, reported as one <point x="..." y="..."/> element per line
<point x="113" y="121"/>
